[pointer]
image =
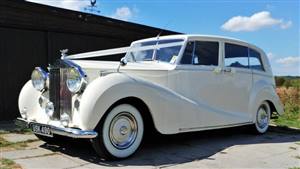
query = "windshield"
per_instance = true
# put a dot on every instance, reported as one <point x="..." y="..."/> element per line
<point x="159" y="50"/>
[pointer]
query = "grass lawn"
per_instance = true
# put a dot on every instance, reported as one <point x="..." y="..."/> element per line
<point x="289" y="119"/>
<point x="8" y="164"/>
<point x="6" y="145"/>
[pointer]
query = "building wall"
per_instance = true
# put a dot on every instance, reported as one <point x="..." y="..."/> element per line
<point x="31" y="35"/>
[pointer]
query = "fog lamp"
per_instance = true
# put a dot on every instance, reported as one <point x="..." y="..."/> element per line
<point x="65" y="119"/>
<point x="49" y="109"/>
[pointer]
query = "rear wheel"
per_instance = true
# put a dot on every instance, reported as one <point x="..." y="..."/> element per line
<point x="120" y="133"/>
<point x="262" y="118"/>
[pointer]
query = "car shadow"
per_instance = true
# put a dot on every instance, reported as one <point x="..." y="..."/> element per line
<point x="168" y="150"/>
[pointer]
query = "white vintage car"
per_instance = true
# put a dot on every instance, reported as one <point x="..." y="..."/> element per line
<point x="175" y="84"/>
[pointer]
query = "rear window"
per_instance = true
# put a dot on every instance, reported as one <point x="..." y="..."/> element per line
<point x="255" y="60"/>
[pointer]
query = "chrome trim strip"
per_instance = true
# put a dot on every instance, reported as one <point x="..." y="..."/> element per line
<point x="214" y="127"/>
<point x="68" y="132"/>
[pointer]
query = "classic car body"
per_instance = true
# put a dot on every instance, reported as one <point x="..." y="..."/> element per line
<point x="178" y="93"/>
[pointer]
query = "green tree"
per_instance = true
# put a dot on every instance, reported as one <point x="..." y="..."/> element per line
<point x="279" y="81"/>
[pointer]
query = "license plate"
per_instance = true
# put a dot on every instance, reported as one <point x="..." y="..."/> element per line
<point x="41" y="130"/>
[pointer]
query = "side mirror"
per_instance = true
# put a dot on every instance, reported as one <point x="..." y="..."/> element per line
<point x="123" y="61"/>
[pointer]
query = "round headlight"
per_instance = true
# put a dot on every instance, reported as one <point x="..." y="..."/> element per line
<point x="39" y="78"/>
<point x="75" y="80"/>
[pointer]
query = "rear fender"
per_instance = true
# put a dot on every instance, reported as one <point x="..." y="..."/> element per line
<point x="264" y="92"/>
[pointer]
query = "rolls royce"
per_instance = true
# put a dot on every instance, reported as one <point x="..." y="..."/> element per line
<point x="173" y="84"/>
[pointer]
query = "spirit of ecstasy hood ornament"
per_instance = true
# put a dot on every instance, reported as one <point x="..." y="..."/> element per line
<point x="63" y="53"/>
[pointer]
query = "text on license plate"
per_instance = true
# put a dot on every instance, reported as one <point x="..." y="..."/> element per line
<point x="42" y="130"/>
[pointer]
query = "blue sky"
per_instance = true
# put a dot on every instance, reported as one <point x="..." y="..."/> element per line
<point x="271" y="25"/>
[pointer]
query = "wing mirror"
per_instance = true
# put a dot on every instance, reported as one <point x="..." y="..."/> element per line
<point x="123" y="61"/>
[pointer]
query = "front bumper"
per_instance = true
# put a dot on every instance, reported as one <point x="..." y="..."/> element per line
<point x="68" y="132"/>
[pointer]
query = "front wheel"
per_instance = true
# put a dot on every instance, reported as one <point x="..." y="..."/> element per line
<point x="263" y="115"/>
<point x="120" y="133"/>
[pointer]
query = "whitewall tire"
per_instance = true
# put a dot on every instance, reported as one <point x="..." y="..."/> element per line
<point x="262" y="119"/>
<point x="120" y="133"/>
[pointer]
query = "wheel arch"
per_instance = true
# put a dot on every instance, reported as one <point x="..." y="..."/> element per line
<point x="263" y="92"/>
<point x="140" y="105"/>
<point x="272" y="107"/>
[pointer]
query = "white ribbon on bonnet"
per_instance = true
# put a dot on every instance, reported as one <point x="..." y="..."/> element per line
<point x="121" y="50"/>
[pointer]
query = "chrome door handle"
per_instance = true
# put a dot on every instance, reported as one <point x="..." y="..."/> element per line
<point x="227" y="69"/>
<point x="217" y="70"/>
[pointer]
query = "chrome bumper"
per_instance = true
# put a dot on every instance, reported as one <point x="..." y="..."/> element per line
<point x="68" y="132"/>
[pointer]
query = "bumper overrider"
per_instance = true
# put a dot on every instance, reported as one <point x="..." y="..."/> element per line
<point x="68" y="132"/>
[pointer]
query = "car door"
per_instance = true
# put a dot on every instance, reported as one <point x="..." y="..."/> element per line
<point x="236" y="81"/>
<point x="200" y="79"/>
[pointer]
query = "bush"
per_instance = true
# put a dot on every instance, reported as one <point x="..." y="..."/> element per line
<point x="290" y="98"/>
<point x="287" y="81"/>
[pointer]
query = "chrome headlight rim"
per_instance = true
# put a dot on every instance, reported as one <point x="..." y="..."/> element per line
<point x="44" y="76"/>
<point x="81" y="83"/>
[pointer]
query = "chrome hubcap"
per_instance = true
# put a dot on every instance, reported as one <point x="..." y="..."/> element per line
<point x="262" y="117"/>
<point x="123" y="130"/>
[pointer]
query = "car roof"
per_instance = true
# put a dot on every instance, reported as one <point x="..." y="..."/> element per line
<point x="191" y="36"/>
<point x="210" y="38"/>
<point x="199" y="36"/>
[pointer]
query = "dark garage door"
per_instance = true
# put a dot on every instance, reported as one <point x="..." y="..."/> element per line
<point x="15" y="67"/>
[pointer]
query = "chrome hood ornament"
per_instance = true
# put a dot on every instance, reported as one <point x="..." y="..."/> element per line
<point x="63" y="53"/>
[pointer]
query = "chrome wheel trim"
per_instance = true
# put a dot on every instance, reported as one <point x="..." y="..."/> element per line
<point x="123" y="130"/>
<point x="105" y="137"/>
<point x="263" y="117"/>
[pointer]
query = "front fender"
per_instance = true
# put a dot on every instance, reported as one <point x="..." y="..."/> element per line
<point x="28" y="104"/>
<point x="105" y="91"/>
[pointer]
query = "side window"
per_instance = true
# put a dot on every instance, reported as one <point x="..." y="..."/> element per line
<point x="201" y="53"/>
<point x="206" y="53"/>
<point x="255" y="60"/>
<point x="236" y="56"/>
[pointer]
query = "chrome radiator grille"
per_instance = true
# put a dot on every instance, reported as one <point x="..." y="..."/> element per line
<point x="59" y="94"/>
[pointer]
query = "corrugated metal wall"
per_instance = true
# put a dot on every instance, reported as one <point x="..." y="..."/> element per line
<point x="31" y="35"/>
